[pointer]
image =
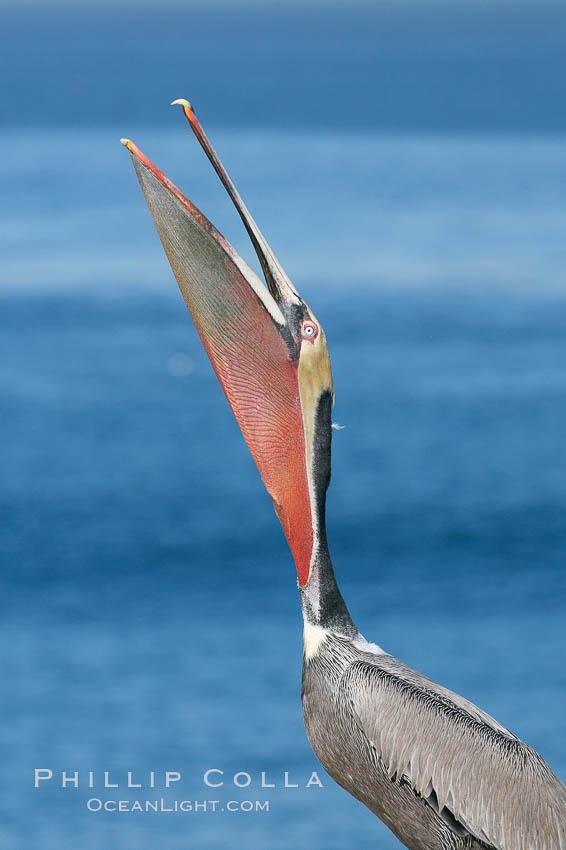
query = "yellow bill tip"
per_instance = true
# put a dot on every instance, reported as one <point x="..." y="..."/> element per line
<point x="182" y="102"/>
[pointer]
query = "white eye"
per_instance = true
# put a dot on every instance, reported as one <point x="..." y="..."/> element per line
<point x="309" y="330"/>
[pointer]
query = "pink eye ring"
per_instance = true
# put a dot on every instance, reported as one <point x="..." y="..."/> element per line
<point x="309" y="330"/>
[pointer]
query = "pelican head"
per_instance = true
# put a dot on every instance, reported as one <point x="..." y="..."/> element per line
<point x="266" y="346"/>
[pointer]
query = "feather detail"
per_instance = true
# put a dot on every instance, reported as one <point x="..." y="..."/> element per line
<point x="459" y="759"/>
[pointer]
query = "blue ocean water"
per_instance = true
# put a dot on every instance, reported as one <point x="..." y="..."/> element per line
<point x="149" y="608"/>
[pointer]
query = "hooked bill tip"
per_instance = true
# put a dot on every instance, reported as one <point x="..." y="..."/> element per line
<point x="182" y="102"/>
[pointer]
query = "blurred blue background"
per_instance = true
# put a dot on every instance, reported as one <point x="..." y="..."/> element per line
<point x="407" y="161"/>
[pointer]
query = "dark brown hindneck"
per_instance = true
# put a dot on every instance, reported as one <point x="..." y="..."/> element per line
<point x="321" y="600"/>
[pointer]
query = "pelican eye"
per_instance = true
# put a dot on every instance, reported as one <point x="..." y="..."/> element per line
<point x="309" y="330"/>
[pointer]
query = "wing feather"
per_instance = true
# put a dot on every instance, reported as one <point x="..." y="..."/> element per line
<point x="464" y="763"/>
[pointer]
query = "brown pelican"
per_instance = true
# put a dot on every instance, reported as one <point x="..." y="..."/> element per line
<point x="439" y="772"/>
